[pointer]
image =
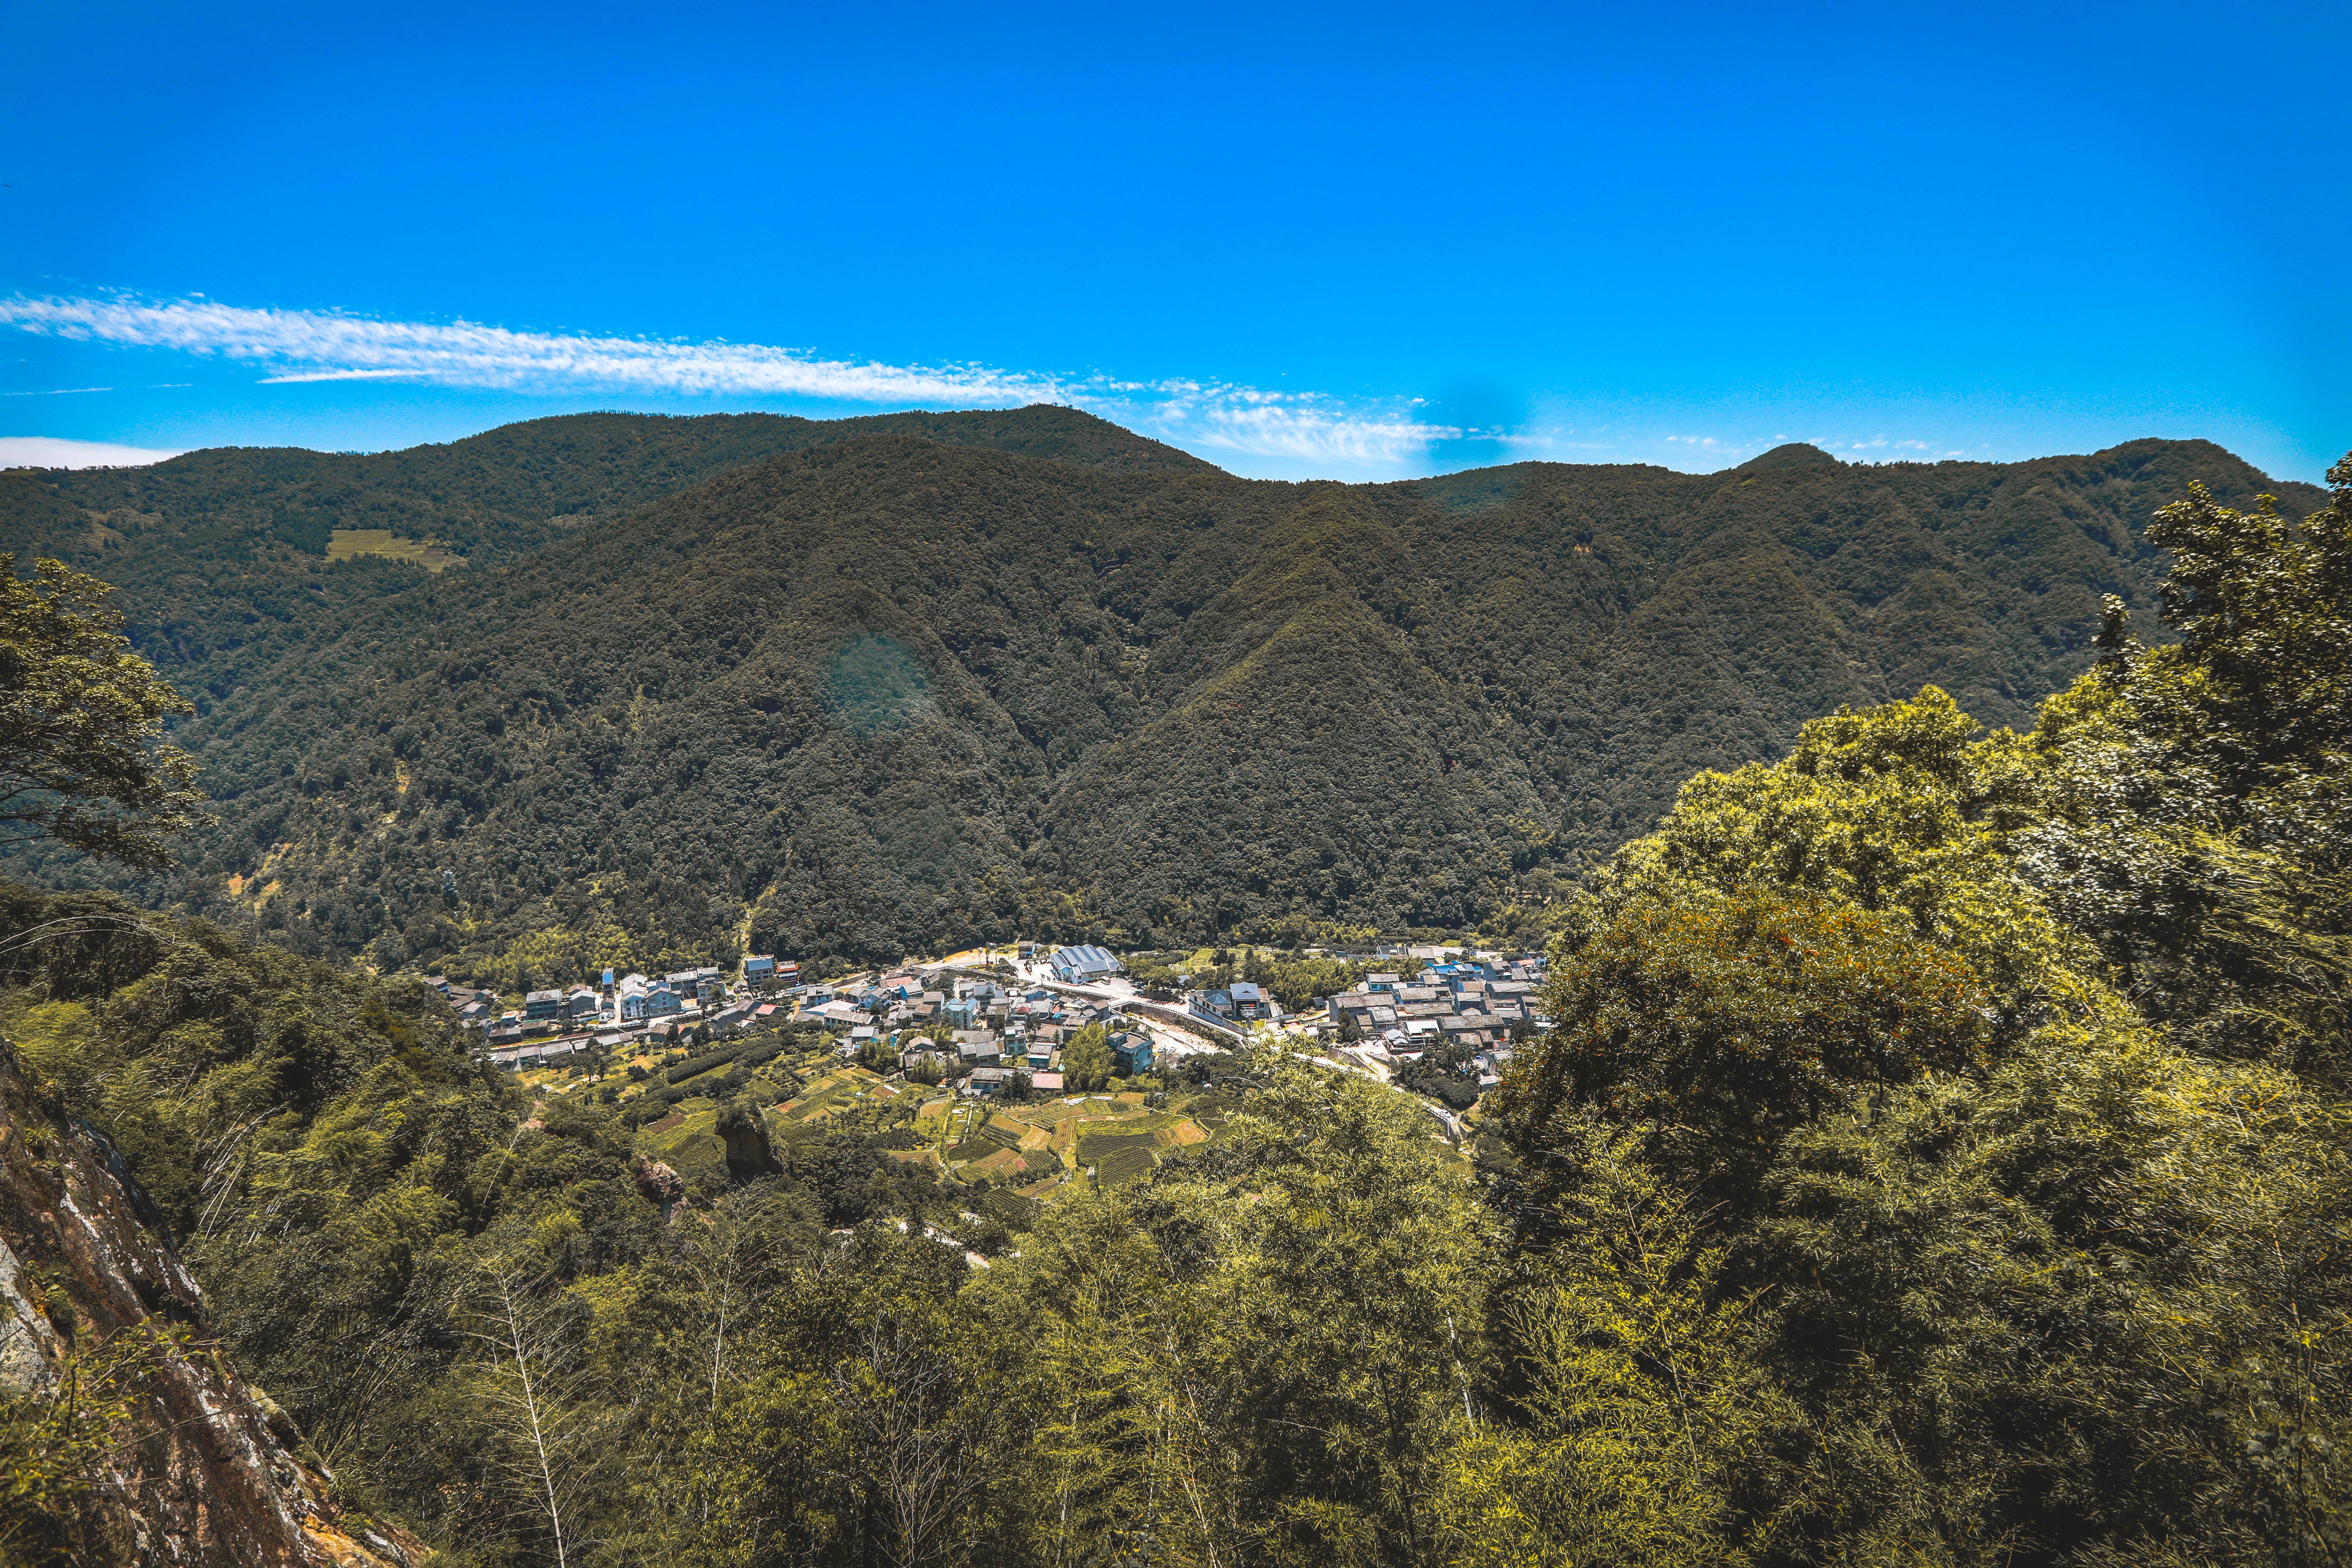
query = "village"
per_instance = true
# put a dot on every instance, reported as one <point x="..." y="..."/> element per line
<point x="1016" y="1074"/>
<point x="988" y="1022"/>
<point x="1012" y="1012"/>
<point x="977" y="1019"/>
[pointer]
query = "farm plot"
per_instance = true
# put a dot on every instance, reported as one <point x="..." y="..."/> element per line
<point x="687" y="1138"/>
<point x="1093" y="1108"/>
<point x="833" y="1093"/>
<point x="1120" y="1157"/>
<point x="997" y="1145"/>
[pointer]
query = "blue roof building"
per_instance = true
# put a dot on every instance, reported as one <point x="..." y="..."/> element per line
<point x="1077" y="966"/>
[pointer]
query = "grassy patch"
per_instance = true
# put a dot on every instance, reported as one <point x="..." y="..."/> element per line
<point x="343" y="544"/>
<point x="835" y="1092"/>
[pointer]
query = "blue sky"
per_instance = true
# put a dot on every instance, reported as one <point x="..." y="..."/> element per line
<point x="1356" y="242"/>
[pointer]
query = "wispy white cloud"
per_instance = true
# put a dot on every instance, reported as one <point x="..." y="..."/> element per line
<point x="298" y="346"/>
<point x="55" y="391"/>
<point x="55" y="452"/>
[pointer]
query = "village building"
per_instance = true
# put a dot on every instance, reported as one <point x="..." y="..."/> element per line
<point x="1131" y="1052"/>
<point x="1460" y="1001"/>
<point x="1082" y="965"/>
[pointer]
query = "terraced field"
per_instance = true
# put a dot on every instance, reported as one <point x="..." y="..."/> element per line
<point x="1119" y="1157"/>
<point x="846" y="1088"/>
<point x="687" y="1137"/>
<point x="1030" y="1148"/>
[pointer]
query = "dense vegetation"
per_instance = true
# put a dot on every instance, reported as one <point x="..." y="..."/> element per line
<point x="222" y="552"/>
<point x="1941" y="1155"/>
<point x="851" y="690"/>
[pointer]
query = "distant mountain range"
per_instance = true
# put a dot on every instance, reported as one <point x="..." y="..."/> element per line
<point x="854" y="689"/>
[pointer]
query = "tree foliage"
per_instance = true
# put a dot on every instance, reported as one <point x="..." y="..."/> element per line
<point x="2075" y="1287"/>
<point x="1721" y="1024"/>
<point x="83" y="760"/>
<point x="1087" y="1061"/>
<point x="2200" y="794"/>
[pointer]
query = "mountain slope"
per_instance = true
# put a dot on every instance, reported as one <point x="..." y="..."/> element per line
<point x="886" y="691"/>
<point x="224" y="551"/>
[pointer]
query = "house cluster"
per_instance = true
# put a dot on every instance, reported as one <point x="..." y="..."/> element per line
<point x="614" y="1007"/>
<point x="1455" y="1001"/>
<point x="1244" y="1002"/>
<point x="994" y="1029"/>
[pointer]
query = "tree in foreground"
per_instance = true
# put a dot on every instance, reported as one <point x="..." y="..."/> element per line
<point x="1718" y="1024"/>
<point x="82" y="757"/>
<point x="1086" y="1061"/>
<point x="1966" y="1114"/>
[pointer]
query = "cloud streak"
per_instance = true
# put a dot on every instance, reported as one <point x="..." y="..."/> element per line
<point x="308" y="346"/>
<point x="56" y="452"/>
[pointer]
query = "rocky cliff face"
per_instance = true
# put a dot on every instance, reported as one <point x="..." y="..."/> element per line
<point x="132" y="1436"/>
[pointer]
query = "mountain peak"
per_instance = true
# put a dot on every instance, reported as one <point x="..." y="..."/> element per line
<point x="1794" y="455"/>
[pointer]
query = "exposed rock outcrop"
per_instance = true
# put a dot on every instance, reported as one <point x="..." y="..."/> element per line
<point x="748" y="1152"/>
<point x="185" y="1462"/>
<point x="661" y="1185"/>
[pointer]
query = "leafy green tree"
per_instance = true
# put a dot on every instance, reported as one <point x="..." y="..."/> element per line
<point x="1272" y="1381"/>
<point x="1630" y="1406"/>
<point x="1353" y="1310"/>
<point x="527" y="1389"/>
<point x="1719" y="1023"/>
<point x="2198" y="796"/>
<point x="82" y="758"/>
<point x="1981" y="1296"/>
<point x="1086" y="1059"/>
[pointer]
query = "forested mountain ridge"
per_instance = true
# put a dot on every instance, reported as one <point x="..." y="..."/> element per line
<point x="886" y="693"/>
<point x="221" y="551"/>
